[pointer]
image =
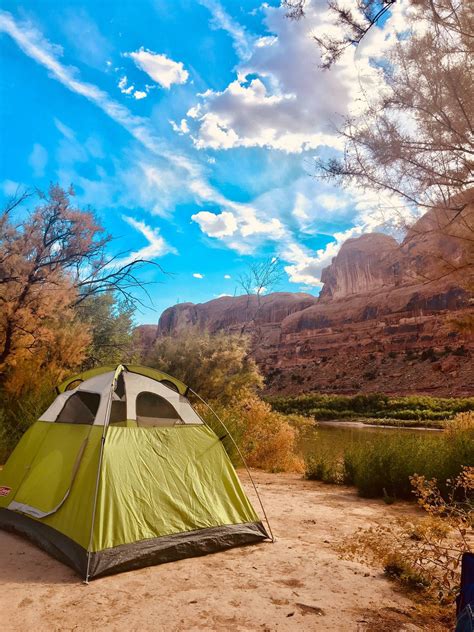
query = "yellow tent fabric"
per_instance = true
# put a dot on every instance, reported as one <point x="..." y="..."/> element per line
<point x="159" y="493"/>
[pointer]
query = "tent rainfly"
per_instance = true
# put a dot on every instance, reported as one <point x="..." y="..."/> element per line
<point x="120" y="472"/>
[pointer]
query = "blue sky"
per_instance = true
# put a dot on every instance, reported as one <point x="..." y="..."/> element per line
<point x="190" y="127"/>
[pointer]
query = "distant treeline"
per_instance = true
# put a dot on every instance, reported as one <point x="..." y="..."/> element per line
<point x="376" y="406"/>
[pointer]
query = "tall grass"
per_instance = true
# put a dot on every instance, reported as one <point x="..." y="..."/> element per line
<point x="382" y="468"/>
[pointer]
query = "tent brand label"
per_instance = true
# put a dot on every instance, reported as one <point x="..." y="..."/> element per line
<point x="4" y="491"/>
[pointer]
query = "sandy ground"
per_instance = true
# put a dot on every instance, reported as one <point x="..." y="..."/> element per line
<point x="297" y="583"/>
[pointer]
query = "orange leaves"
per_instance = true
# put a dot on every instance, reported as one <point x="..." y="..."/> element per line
<point x="40" y="257"/>
<point x="267" y="439"/>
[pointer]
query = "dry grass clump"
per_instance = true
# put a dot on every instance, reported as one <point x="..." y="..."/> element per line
<point x="267" y="439"/>
<point x="425" y="555"/>
<point x="462" y="422"/>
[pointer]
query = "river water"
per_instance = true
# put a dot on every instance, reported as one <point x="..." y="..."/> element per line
<point x="331" y="438"/>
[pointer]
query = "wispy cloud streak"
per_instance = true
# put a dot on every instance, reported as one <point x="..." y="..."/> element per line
<point x="156" y="247"/>
<point x="242" y="41"/>
<point x="33" y="44"/>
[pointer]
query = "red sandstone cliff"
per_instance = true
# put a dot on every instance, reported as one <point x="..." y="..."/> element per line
<point x="228" y="312"/>
<point x="387" y="318"/>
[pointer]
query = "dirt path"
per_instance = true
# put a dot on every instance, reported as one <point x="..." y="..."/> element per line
<point x="298" y="583"/>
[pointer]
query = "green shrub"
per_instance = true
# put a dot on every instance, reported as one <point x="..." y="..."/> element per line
<point x="325" y="468"/>
<point x="383" y="467"/>
<point x="18" y="413"/>
<point x="374" y="405"/>
<point x="396" y="567"/>
<point x="215" y="366"/>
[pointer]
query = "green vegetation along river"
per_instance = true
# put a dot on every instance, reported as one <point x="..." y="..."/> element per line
<point x="381" y="461"/>
<point x="330" y="439"/>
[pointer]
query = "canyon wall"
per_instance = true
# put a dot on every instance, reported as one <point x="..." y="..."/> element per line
<point x="395" y="318"/>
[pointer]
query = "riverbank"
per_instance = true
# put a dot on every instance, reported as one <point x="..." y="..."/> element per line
<point x="376" y="409"/>
<point x="378" y="423"/>
<point x="297" y="583"/>
<point x="381" y="461"/>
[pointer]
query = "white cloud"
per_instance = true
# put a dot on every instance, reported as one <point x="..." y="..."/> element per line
<point x="391" y="213"/>
<point x="84" y="37"/>
<point x="198" y="275"/>
<point x="33" y="44"/>
<point x="159" y="67"/>
<point x="216" y="225"/>
<point x="222" y="20"/>
<point x="156" y="247"/>
<point x="38" y="159"/>
<point x="10" y="187"/>
<point x="306" y="266"/>
<point x="64" y="129"/>
<point x="332" y="202"/>
<point x="178" y="167"/>
<point x="123" y="83"/>
<point x="248" y="115"/>
<point x="317" y="209"/>
<point x="302" y="207"/>
<point x="130" y="90"/>
<point x="71" y="150"/>
<point x="241" y="229"/>
<point x="251" y="225"/>
<point x="242" y="114"/>
<point x="280" y="97"/>
<point x="180" y="129"/>
<point x="227" y="276"/>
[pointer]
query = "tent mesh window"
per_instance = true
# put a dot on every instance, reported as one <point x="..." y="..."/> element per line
<point x="80" y="408"/>
<point x="154" y="410"/>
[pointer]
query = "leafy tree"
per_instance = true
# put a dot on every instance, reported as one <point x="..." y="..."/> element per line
<point x="217" y="367"/>
<point x="261" y="277"/>
<point x="414" y="136"/>
<point x="110" y="322"/>
<point x="355" y="20"/>
<point x="51" y="261"/>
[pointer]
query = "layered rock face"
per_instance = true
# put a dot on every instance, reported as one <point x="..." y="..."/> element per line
<point x="394" y="318"/>
<point x="363" y="264"/>
<point x="234" y="312"/>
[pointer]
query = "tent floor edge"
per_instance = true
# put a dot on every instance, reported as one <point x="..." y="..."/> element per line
<point x="125" y="557"/>
<point x="45" y="537"/>
<point x="177" y="546"/>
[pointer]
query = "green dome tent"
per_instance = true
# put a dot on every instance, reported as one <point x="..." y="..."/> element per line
<point x="120" y="472"/>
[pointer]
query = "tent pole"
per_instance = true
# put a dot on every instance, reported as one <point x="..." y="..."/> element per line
<point x="118" y="370"/>
<point x="272" y="537"/>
